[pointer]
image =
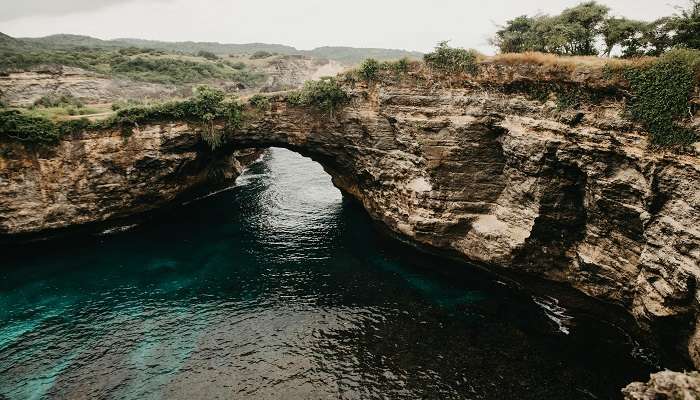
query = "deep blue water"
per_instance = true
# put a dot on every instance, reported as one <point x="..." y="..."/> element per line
<point x="282" y="289"/>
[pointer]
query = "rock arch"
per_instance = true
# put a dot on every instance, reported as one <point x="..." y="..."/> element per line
<point x="467" y="171"/>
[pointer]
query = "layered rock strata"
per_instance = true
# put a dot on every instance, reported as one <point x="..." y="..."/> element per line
<point x="572" y="195"/>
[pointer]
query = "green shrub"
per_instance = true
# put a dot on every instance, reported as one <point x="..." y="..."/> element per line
<point x="56" y="100"/>
<point x="369" y="69"/>
<point x="120" y="104"/>
<point x="662" y="91"/>
<point x="207" y="54"/>
<point x="399" y="67"/>
<point x="236" y="65"/>
<point x="260" y="55"/>
<point x="452" y="60"/>
<point x="17" y="126"/>
<point x="260" y="102"/>
<point x="206" y="108"/>
<point x="324" y="94"/>
<point x="294" y="98"/>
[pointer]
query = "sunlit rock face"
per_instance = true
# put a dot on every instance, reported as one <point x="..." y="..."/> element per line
<point x="510" y="182"/>
<point x="665" y="385"/>
<point x="502" y="180"/>
<point x="102" y="176"/>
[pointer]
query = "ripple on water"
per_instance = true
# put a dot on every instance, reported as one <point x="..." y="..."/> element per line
<point x="279" y="288"/>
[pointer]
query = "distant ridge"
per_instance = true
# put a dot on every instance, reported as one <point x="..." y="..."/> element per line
<point x="346" y="55"/>
<point x="9" y="41"/>
<point x="214" y="47"/>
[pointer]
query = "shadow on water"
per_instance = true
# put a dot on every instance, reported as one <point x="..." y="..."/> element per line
<point x="280" y="288"/>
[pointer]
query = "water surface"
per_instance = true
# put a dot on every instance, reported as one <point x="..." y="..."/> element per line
<point x="281" y="289"/>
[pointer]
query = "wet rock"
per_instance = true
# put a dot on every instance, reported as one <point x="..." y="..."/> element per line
<point x="665" y="385"/>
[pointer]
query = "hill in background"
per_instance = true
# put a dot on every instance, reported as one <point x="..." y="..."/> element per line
<point x="345" y="55"/>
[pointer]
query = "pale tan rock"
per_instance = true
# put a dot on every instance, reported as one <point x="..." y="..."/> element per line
<point x="495" y="177"/>
<point x="665" y="385"/>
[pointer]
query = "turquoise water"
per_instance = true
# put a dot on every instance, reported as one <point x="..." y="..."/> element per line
<point x="282" y="289"/>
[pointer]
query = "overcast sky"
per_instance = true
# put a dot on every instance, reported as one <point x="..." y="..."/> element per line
<point x="305" y="24"/>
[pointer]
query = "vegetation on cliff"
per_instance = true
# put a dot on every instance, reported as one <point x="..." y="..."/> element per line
<point x="662" y="92"/>
<point x="55" y="47"/>
<point x="325" y="94"/>
<point x="133" y="63"/>
<point x="452" y="60"/>
<point x="659" y="92"/>
<point x="259" y="102"/>
<point x="371" y="69"/>
<point x="206" y="108"/>
<point x="579" y="30"/>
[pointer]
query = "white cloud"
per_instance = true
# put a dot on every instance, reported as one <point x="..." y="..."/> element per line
<point x="413" y="25"/>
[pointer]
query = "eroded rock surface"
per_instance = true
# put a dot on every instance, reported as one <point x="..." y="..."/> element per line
<point x="24" y="88"/>
<point x="665" y="385"/>
<point x="571" y="195"/>
<point x="101" y="176"/>
<point x="507" y="181"/>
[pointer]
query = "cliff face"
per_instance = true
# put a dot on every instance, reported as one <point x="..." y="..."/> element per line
<point x="24" y="88"/>
<point x="101" y="176"/>
<point x="574" y="196"/>
<point x="279" y="72"/>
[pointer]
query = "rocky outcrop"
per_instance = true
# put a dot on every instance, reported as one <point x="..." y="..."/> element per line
<point x="290" y="71"/>
<point x="24" y="88"/>
<point x="475" y="168"/>
<point x="105" y="176"/>
<point x="575" y="196"/>
<point x="665" y="385"/>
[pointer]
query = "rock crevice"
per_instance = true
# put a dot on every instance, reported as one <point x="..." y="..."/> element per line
<point x="498" y="178"/>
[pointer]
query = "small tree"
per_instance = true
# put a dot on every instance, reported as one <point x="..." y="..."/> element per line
<point x="515" y="36"/>
<point x="573" y="32"/>
<point x="687" y="26"/>
<point x="369" y="69"/>
<point x="620" y="32"/>
<point x="581" y="25"/>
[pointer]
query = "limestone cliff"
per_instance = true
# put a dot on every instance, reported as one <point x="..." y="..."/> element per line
<point x="665" y="385"/>
<point x="103" y="176"/>
<point x="476" y="167"/>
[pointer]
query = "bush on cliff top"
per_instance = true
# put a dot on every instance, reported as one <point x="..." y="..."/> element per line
<point x="324" y="94"/>
<point x="207" y="107"/>
<point x="452" y="60"/>
<point x="369" y="69"/>
<point x="25" y="128"/>
<point x="260" y="102"/>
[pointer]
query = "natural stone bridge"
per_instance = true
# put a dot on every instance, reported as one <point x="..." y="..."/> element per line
<point x="499" y="179"/>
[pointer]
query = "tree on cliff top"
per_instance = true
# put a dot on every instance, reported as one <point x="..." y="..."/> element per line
<point x="687" y="26"/>
<point x="573" y="32"/>
<point x="578" y="30"/>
